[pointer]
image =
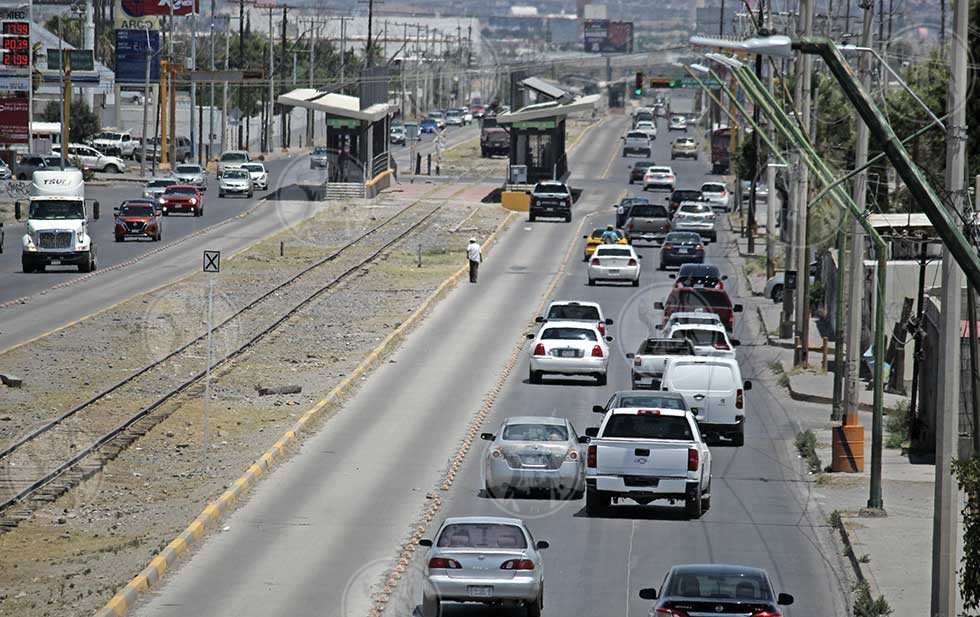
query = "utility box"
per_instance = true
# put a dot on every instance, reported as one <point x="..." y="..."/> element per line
<point x="518" y="174"/>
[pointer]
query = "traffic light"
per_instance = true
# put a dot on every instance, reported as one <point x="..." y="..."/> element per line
<point x="638" y="85"/>
<point x="664" y="82"/>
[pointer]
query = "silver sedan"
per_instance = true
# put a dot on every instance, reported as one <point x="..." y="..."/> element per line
<point x="531" y="453"/>
<point x="193" y="175"/>
<point x="485" y="559"/>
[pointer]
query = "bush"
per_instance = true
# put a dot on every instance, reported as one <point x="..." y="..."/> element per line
<point x="82" y="124"/>
<point x="967" y="474"/>
<point x="806" y="445"/>
<point x="866" y="606"/>
<point x="898" y="425"/>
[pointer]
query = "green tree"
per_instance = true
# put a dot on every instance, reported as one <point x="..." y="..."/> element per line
<point x="69" y="28"/>
<point x="83" y="123"/>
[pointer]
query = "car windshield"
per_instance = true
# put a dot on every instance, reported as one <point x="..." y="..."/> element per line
<point x="548" y="187"/>
<point x="651" y="401"/>
<point x="239" y="174"/>
<point x="568" y="334"/>
<point x="233" y="157"/>
<point x="257" y="167"/>
<point x="713" y="188"/>
<point x="642" y="164"/>
<point x="726" y="586"/>
<point x="613" y="253"/>
<point x="700" y="337"/>
<point x="481" y="535"/>
<point x="707" y="298"/>
<point x="648" y="426"/>
<point x="665" y="347"/>
<point x="140" y="210"/>
<point x="648" y="212"/>
<point x="695" y="209"/>
<point x="180" y="191"/>
<point x="158" y="184"/>
<point x="56" y="210"/>
<point x="683" y="238"/>
<point x="319" y="151"/>
<point x="188" y="169"/>
<point x="535" y="432"/>
<point x="574" y="312"/>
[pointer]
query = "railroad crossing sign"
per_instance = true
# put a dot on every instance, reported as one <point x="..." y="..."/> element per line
<point x="212" y="261"/>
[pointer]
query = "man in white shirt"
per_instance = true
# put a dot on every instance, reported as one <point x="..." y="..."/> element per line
<point x="475" y="256"/>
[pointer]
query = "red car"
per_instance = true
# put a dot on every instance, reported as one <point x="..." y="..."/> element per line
<point x="692" y="300"/>
<point x="138" y="218"/>
<point x="182" y="198"/>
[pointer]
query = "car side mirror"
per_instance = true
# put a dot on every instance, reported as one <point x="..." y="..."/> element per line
<point x="609" y="321"/>
<point x="425" y="542"/>
<point x="530" y="336"/>
<point x="737" y="308"/>
<point x="649" y="593"/>
<point x="724" y="277"/>
<point x="584" y="439"/>
<point x="671" y="276"/>
<point x="609" y="339"/>
<point x="658" y="305"/>
<point x="736" y="342"/>
<point x="659" y="326"/>
<point x="630" y="356"/>
<point x="784" y="599"/>
<point x="639" y="256"/>
<point x="585" y="237"/>
<point x="115" y="212"/>
<point x="487" y="436"/>
<point x="592" y="432"/>
<point x="541" y="545"/>
<point x="17" y="212"/>
<point x="598" y="409"/>
<point x="539" y="319"/>
<point x="747" y="385"/>
<point x="96" y="209"/>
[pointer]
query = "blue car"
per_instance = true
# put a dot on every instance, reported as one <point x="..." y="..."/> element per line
<point x="429" y="125"/>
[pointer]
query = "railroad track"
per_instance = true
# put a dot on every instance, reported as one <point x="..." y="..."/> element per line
<point x="55" y="457"/>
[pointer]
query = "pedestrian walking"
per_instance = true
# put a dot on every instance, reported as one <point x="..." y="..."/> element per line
<point x="475" y="256"/>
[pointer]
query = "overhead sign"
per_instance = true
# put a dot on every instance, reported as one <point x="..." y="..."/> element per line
<point x="131" y="53"/>
<point x="81" y="59"/>
<point x="13" y="121"/>
<point x="343" y="123"/>
<point x="536" y="124"/>
<point x="711" y="83"/>
<point x="604" y="36"/>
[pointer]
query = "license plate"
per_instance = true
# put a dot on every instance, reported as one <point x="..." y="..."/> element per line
<point x="568" y="353"/>
<point x="683" y="251"/>
<point x="534" y="460"/>
<point x="479" y="591"/>
<point x="614" y="271"/>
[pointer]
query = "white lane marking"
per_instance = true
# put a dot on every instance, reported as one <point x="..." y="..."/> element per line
<point x="629" y="559"/>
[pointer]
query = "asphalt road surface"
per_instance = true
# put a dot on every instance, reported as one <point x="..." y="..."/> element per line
<point x="316" y="535"/>
<point x="285" y="172"/>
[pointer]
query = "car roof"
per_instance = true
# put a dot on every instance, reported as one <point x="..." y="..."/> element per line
<point x="691" y="202"/>
<point x="692" y="314"/>
<point x="161" y="179"/>
<point x="574" y="302"/>
<point x="614" y="246"/>
<point x="642" y="164"/>
<point x="182" y="186"/>
<point x="477" y="520"/>
<point x="714" y="327"/>
<point x="549" y="420"/>
<point x="704" y="360"/>
<point x="717" y="568"/>
<point x="661" y="411"/>
<point x="568" y="323"/>
<point x="137" y="201"/>
<point x="721" y="184"/>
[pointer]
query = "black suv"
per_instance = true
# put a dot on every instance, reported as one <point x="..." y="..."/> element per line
<point x="551" y="198"/>
<point x="679" y="195"/>
<point x="699" y="275"/>
<point x="639" y="169"/>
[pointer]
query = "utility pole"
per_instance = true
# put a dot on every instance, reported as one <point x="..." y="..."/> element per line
<point x="283" y="128"/>
<point x="210" y="153"/>
<point x="146" y="101"/>
<point x="343" y="51"/>
<point x="224" y="90"/>
<point x="310" y="114"/>
<point x="770" y="171"/>
<point x="947" y="500"/>
<point x="801" y="194"/>
<point x="367" y="48"/>
<point x="267" y="142"/>
<point x="755" y="151"/>
<point x="241" y="65"/>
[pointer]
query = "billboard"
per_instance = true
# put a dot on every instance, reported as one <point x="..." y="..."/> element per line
<point x="604" y="36"/>
<point x="131" y="51"/>
<point x="13" y="121"/>
<point x="142" y="8"/>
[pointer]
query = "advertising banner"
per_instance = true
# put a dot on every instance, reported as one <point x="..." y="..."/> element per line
<point x="13" y="121"/>
<point x="608" y="37"/>
<point x="131" y="51"/>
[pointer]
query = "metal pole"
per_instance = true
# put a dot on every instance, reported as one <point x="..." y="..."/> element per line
<point x="755" y="161"/>
<point x="193" y="67"/>
<point x="770" y="174"/>
<point x="310" y="114"/>
<point x="211" y="108"/>
<point x="241" y="64"/>
<point x="267" y="142"/>
<point x="917" y="353"/>
<point x="946" y="504"/>
<point x="146" y="102"/>
<point x="224" y="90"/>
<point x="841" y="319"/>
<point x="30" y="76"/>
<point x="367" y="48"/>
<point x="343" y="51"/>
<point x="61" y="80"/>
<point x="971" y="312"/>
<point x="802" y="191"/>
<point x="207" y="372"/>
<point x="283" y="128"/>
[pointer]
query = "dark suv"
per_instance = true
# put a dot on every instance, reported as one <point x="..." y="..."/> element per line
<point x="699" y="275"/>
<point x="551" y="199"/>
<point x="639" y="169"/>
<point x="679" y="195"/>
<point x="689" y="300"/>
<point x="716" y="589"/>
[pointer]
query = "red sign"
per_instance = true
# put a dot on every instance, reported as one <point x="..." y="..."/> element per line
<point x="141" y="8"/>
<point x="13" y="121"/>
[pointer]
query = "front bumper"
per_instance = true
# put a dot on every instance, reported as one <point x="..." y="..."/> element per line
<point x="519" y="588"/>
<point x="587" y="365"/>
<point x="56" y="257"/>
<point x="722" y="428"/>
<point x="624" y="273"/>
<point x="318" y="164"/>
<point x="236" y="189"/>
<point x="179" y="207"/>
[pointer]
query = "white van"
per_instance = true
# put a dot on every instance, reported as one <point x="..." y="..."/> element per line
<point x="714" y="392"/>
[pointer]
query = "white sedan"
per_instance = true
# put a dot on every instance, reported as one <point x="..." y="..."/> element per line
<point x="615" y="262"/>
<point x="259" y="175"/>
<point x="717" y="195"/>
<point x="705" y="318"/>
<point x="659" y="178"/>
<point x="568" y="348"/>
<point x="708" y="340"/>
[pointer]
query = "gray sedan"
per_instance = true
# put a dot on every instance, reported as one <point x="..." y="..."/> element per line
<point x="193" y="175"/>
<point x="486" y="559"/>
<point x="156" y="186"/>
<point x="531" y="453"/>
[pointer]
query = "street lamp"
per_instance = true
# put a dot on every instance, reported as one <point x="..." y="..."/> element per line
<point x="778" y="45"/>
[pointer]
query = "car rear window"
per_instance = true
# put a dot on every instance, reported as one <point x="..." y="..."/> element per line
<point x="660" y="170"/>
<point x="695" y="209"/>
<point x="642" y="165"/>
<point x="568" y="334"/>
<point x="705" y="298"/>
<point x="482" y="535"/>
<point x="613" y="253"/>
<point x="648" y="211"/>
<point x="574" y="311"/>
<point x="713" y="188"/>
<point x="665" y="346"/>
<point x="701" y="376"/>
<point x="550" y="188"/>
<point x="535" y="432"/>
<point x="683" y="238"/>
<point x="685" y="195"/>
<point x="717" y="586"/>
<point x="699" y="270"/>
<point x="699" y="336"/>
<point x="651" y="401"/>
<point x="648" y="426"/>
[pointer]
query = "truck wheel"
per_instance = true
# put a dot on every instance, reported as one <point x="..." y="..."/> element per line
<point x="119" y="238"/>
<point x="738" y="438"/>
<point x="568" y="217"/>
<point x="530" y="217"/>
<point x="483" y="153"/>
<point x="636" y="283"/>
<point x="591" y="282"/>
<point x="692" y="504"/>
<point x="596" y="503"/>
<point x="706" y="499"/>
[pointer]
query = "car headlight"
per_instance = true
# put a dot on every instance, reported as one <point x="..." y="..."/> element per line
<point x="193" y="201"/>
<point x="161" y="201"/>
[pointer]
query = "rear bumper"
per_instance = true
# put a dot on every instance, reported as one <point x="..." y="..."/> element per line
<point x="550" y="210"/>
<point x="628" y="150"/>
<point x="722" y="428"/>
<point x="567" y="477"/>
<point x="646" y="380"/>
<point x="519" y="588"/>
<point x="666" y="488"/>
<point x="569" y="366"/>
<point x="602" y="273"/>
<point x="647" y="236"/>
<point x="673" y="259"/>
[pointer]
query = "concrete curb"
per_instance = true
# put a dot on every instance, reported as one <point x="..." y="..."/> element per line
<point x="853" y="559"/>
<point x="806" y="397"/>
<point x="128" y="596"/>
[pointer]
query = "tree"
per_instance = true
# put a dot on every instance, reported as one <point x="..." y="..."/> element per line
<point x="83" y="122"/>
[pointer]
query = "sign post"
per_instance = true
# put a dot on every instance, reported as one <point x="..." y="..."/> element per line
<point x="212" y="265"/>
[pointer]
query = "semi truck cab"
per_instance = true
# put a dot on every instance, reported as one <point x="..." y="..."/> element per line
<point x="57" y="230"/>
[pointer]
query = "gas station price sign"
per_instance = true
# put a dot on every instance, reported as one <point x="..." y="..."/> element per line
<point x="15" y="44"/>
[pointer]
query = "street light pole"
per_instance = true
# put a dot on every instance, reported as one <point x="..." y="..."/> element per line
<point x="802" y="104"/>
<point x="146" y="101"/>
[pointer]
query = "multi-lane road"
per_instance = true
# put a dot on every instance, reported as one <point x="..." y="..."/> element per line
<point x="315" y="537"/>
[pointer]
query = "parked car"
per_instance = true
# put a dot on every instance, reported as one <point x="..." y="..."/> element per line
<point x="639" y="169"/>
<point x="761" y="191"/>
<point x="684" y="147"/>
<point x="613" y="262"/>
<point x="716" y="589"/>
<point x="716" y="391"/>
<point x="85" y="157"/>
<point x="681" y="247"/>
<point x="776" y="283"/>
<point x="181" y="149"/>
<point x="181" y="198"/>
<point x="688" y="300"/>
<point x="483" y="559"/>
<point x="534" y="453"/>
<point x="138" y="218"/>
<point x="259" y="175"/>
<point x="25" y="168"/>
<point x="5" y="172"/>
<point x="115" y="142"/>
<point x="550" y="198"/>
<point x="651" y="358"/>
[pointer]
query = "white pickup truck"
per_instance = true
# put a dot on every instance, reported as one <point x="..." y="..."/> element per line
<point x="646" y="455"/>
<point x="651" y="358"/>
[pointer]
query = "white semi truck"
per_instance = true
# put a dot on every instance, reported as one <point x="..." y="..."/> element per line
<point x="57" y="222"/>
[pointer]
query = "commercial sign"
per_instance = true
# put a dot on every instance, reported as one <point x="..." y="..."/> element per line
<point x="343" y="123"/>
<point x="81" y="59"/>
<point x="15" y="44"/>
<point x="131" y="52"/>
<point x="540" y="125"/>
<point x="604" y="36"/>
<point x="14" y="82"/>
<point x="13" y="121"/>
<point x="142" y="8"/>
<point x="13" y="13"/>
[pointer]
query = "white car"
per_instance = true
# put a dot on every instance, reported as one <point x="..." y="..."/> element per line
<point x="615" y="262"/>
<point x="575" y="310"/>
<point x="775" y="284"/>
<point x="716" y="193"/>
<point x="697" y="217"/>
<point x="191" y="173"/>
<point x="89" y="158"/>
<point x="259" y="175"/>
<point x="659" y="178"/>
<point x="232" y="159"/>
<point x="715" y="390"/>
<point x="454" y="118"/>
<point x="484" y="559"/>
<point x="708" y="340"/>
<point x="677" y="123"/>
<point x="534" y="453"/>
<point x="467" y="115"/>
<point x="235" y="182"/>
<point x="647" y="127"/>
<point x="568" y="348"/>
<point x="705" y="318"/>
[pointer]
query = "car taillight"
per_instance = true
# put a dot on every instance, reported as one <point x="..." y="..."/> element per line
<point x="767" y="614"/>
<point x="590" y="457"/>
<point x="517" y="564"/>
<point x="571" y="455"/>
<point x="539" y="350"/>
<point x="595" y="261"/>
<point x="631" y="262"/>
<point x="723" y="193"/>
<point x="444" y="564"/>
<point x="602" y="328"/>
<point x="596" y="351"/>
<point x="669" y="612"/>
<point x="668" y="247"/>
<point x="722" y="346"/>
<point x="739" y="399"/>
<point x="693" y="458"/>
